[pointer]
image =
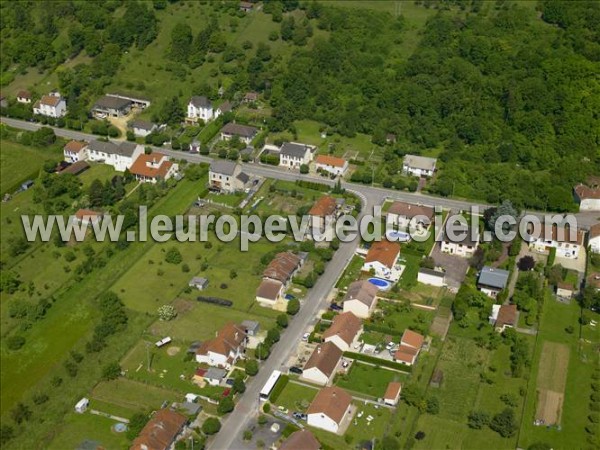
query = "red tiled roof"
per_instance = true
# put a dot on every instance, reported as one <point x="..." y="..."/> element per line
<point x="229" y="338"/>
<point x="269" y="289"/>
<point x="331" y="401"/>
<point x="323" y="207"/>
<point x="50" y="100"/>
<point x="595" y="230"/>
<point x="88" y="214"/>
<point x="409" y="210"/>
<point x="584" y="192"/>
<point x="160" y="432"/>
<point x="384" y="251"/>
<point x="325" y="357"/>
<point x="345" y="325"/>
<point x="328" y="160"/>
<point x="301" y="440"/>
<point x="140" y="166"/>
<point x="411" y="338"/>
<point x="507" y="315"/>
<point x="75" y="146"/>
<point x="282" y="266"/>
<point x="392" y="391"/>
<point x="406" y="354"/>
<point x="24" y="94"/>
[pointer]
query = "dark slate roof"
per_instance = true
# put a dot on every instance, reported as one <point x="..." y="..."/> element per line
<point x="496" y="278"/>
<point x="123" y="149"/>
<point x="432" y="272"/>
<point x="239" y="130"/>
<point x="459" y="231"/>
<point x="244" y="178"/>
<point x="293" y="149"/>
<point x="143" y="125"/>
<point x="108" y="102"/>
<point x="200" y="101"/>
<point x="222" y="166"/>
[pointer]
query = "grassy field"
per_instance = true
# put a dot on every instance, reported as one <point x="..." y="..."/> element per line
<point x="351" y="273"/>
<point x="368" y="380"/>
<point x="81" y="427"/>
<point x="296" y="397"/>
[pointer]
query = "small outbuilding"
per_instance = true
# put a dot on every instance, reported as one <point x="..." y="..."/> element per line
<point x="82" y="405"/>
<point x="199" y="283"/>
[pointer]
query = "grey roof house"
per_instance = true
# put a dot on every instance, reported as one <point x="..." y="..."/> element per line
<point x="226" y="176"/>
<point x="198" y="283"/>
<point x="111" y="106"/>
<point x="492" y="280"/>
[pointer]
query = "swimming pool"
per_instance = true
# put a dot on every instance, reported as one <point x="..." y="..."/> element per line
<point x="399" y="236"/>
<point x="382" y="285"/>
<point x="119" y="427"/>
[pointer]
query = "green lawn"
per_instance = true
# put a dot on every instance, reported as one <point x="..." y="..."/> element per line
<point x="351" y="273"/>
<point x="399" y="317"/>
<point x="296" y="397"/>
<point x="77" y="428"/>
<point x="368" y="380"/>
<point x="411" y="270"/>
<point x="133" y="395"/>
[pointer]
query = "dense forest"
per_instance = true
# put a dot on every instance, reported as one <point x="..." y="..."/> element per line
<point x="507" y="99"/>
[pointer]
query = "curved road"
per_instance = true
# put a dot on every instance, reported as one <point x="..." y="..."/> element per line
<point x="248" y="405"/>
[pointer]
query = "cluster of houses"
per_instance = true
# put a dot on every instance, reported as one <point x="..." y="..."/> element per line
<point x="277" y="276"/>
<point x="122" y="156"/>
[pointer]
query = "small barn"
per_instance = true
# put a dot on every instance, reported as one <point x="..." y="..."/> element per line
<point x="436" y="378"/>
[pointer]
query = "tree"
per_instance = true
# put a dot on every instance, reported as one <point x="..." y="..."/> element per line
<point x="238" y="386"/>
<point x="304" y="169"/>
<point x="420" y="435"/>
<point x="171" y="112"/>
<point x="433" y="406"/>
<point x="136" y="423"/>
<point x="173" y="256"/>
<point x="211" y="426"/>
<point x="15" y="343"/>
<point x="273" y="335"/>
<point x="111" y="371"/>
<point x="6" y="434"/>
<point x="226" y="405"/>
<point x="504" y="423"/>
<point x="181" y="41"/>
<point x="20" y="413"/>
<point x="478" y="419"/>
<point x="293" y="306"/>
<point x="251" y="367"/>
<point x="526" y="263"/>
<point x="282" y="320"/>
<point x="167" y="312"/>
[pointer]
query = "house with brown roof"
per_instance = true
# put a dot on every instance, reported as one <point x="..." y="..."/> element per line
<point x="153" y="167"/>
<point x="331" y="164"/>
<point x="381" y="258"/>
<point x="361" y="298"/>
<point x="329" y="409"/>
<point x="322" y="219"/>
<point x="75" y="151"/>
<point x="321" y="365"/>
<point x="276" y="277"/>
<point x="225" y="348"/>
<point x="244" y="133"/>
<point x="405" y="216"/>
<point x="344" y="330"/>
<point x="567" y="242"/>
<point x="52" y="105"/>
<point x="269" y="291"/>
<point x="301" y="440"/>
<point x="87" y="216"/>
<point x="161" y="431"/>
<point x="506" y="318"/>
<point x="588" y="197"/>
<point x="246" y="6"/>
<point x="594" y="238"/>
<point x="564" y="290"/>
<point x="410" y="346"/>
<point x="250" y="97"/>
<point x="24" y="96"/>
<point x="392" y="393"/>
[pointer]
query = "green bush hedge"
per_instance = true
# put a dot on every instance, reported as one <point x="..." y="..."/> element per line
<point x="378" y="361"/>
<point x="381" y="329"/>
<point x="279" y="387"/>
<point x="551" y="257"/>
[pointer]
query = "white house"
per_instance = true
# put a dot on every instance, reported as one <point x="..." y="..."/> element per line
<point x="329" y="409"/>
<point x="225" y="349"/>
<point x="344" y="330"/>
<point x="361" y="298"/>
<point x="406" y="216"/>
<point x="594" y="238"/>
<point x="24" y="96"/>
<point x="321" y="365"/>
<point x="431" y="277"/>
<point x="381" y="258"/>
<point x="75" y="151"/>
<point x="331" y="164"/>
<point x="244" y="133"/>
<point x="465" y="244"/>
<point x="200" y="108"/>
<point x="587" y="197"/>
<point x="52" y="105"/>
<point x="120" y="156"/>
<point x="491" y="280"/>
<point x="226" y="176"/>
<point x="419" y="166"/>
<point x="142" y="128"/>
<point x="269" y="291"/>
<point x="111" y="106"/>
<point x="392" y="393"/>
<point x="153" y="167"/>
<point x="292" y="155"/>
<point x="567" y="243"/>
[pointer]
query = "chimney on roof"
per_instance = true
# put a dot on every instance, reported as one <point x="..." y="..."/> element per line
<point x="319" y="349"/>
<point x="236" y="334"/>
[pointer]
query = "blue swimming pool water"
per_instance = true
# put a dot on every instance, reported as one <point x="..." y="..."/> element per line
<point x="119" y="427"/>
<point x="381" y="284"/>
<point x="398" y="236"/>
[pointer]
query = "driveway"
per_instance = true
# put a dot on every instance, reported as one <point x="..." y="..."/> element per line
<point x="577" y="264"/>
<point x="455" y="266"/>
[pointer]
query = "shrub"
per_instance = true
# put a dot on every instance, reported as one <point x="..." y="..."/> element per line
<point x="251" y="367"/>
<point x="278" y="388"/>
<point x="478" y="419"/>
<point x="226" y="405"/>
<point x="212" y="425"/>
<point x="267" y="408"/>
<point x="14" y="343"/>
<point x="293" y="307"/>
<point x="111" y="371"/>
<point x="504" y="423"/>
<point x="173" y="256"/>
<point x="282" y="320"/>
<point x="167" y="312"/>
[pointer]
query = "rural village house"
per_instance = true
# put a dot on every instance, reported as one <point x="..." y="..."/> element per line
<point x="320" y="367"/>
<point x="329" y="408"/>
<point x="406" y="216"/>
<point x="491" y="280"/>
<point x="292" y="155"/>
<point x="245" y="133"/>
<point x="587" y="197"/>
<point x="225" y="349"/>
<point x="120" y="156"/>
<point x="410" y="346"/>
<point x="381" y="258"/>
<point x="503" y="316"/>
<point x="464" y="246"/>
<point x="560" y="238"/>
<point x="52" y="105"/>
<point x="75" y="151"/>
<point x="301" y="440"/>
<point x="161" y="431"/>
<point x="142" y="128"/>
<point x="419" y="166"/>
<point x="153" y="167"/>
<point x="322" y="216"/>
<point x="392" y="393"/>
<point x="331" y="164"/>
<point x="200" y="108"/>
<point x="226" y="176"/>
<point x="361" y="298"/>
<point x="24" y="96"/>
<point x="276" y="277"/>
<point x="344" y="330"/>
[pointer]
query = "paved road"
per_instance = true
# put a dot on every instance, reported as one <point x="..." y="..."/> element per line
<point x="370" y="195"/>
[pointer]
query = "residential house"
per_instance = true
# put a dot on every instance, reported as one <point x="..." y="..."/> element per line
<point x="410" y="346"/>
<point x="250" y="97"/>
<point x="75" y="151"/>
<point x="301" y="440"/>
<point x="320" y="367"/>
<point x="269" y="291"/>
<point x="564" y="290"/>
<point x="199" y="283"/>
<point x="276" y="277"/>
<point x="120" y="156"/>
<point x="587" y="197"/>
<point x="200" y="108"/>
<point x="322" y="219"/>
<point x="491" y="280"/>
<point x="405" y="216"/>
<point x="52" y="105"/>
<point x="344" y="330"/>
<point x="292" y="155"/>
<point x="161" y="431"/>
<point x="594" y="238"/>
<point x="331" y="164"/>
<point x="245" y="133"/>
<point x="225" y="349"/>
<point x="567" y="242"/>
<point x="111" y="106"/>
<point x="329" y="408"/>
<point x="223" y="108"/>
<point x="361" y="298"/>
<point x="506" y="316"/>
<point x="87" y="216"/>
<point x="252" y="327"/>
<point x="431" y="277"/>
<point x="464" y="245"/>
<point x="214" y="376"/>
<point x="153" y="167"/>
<point x="142" y="128"/>
<point x="246" y="6"/>
<point x="392" y="393"/>
<point x="226" y="176"/>
<point x="136" y="100"/>
<point x="381" y="259"/>
<point x="24" y="96"/>
<point x="418" y="166"/>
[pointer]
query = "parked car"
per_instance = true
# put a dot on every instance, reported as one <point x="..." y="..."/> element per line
<point x="305" y="337"/>
<point x="296" y="370"/>
<point x="335" y="307"/>
<point x="229" y="381"/>
<point x="390" y="346"/>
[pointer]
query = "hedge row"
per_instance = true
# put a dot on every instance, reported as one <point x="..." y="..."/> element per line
<point x="313" y="185"/>
<point x="381" y="329"/>
<point x="279" y="387"/>
<point x="378" y="361"/>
